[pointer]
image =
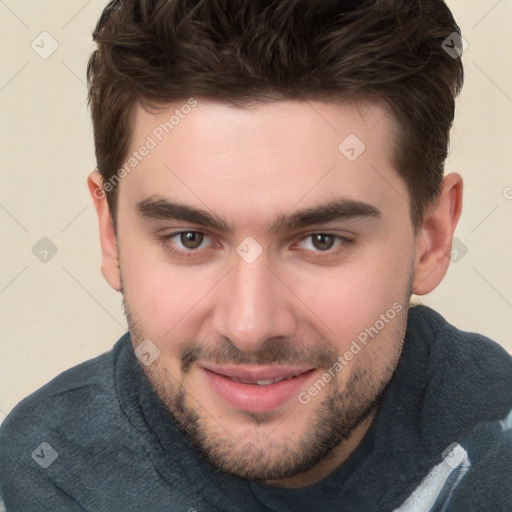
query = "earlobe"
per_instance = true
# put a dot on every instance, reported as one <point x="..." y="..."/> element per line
<point x="434" y="241"/>
<point x="109" y="248"/>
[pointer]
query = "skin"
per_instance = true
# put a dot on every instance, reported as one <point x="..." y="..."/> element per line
<point x="297" y="301"/>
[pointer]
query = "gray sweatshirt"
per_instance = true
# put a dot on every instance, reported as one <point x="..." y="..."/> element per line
<point x="97" y="438"/>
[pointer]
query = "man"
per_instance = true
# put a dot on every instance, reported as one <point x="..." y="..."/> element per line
<point x="270" y="193"/>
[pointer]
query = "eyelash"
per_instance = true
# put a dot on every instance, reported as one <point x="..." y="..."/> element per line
<point x="192" y="253"/>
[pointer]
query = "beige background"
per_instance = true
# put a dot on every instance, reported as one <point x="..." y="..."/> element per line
<point x="59" y="313"/>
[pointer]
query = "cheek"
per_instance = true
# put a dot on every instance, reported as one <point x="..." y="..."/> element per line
<point x="162" y="295"/>
<point x="343" y="301"/>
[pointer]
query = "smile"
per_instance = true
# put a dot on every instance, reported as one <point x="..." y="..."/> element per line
<point x="256" y="389"/>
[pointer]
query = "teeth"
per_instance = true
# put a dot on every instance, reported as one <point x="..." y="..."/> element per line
<point x="272" y="381"/>
<point x="265" y="382"/>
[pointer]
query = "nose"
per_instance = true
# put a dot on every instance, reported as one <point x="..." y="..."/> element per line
<point x="253" y="306"/>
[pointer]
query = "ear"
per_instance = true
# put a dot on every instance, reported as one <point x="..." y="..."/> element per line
<point x="110" y="263"/>
<point x="434" y="241"/>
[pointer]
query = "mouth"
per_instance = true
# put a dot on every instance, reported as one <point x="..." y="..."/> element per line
<point x="256" y="389"/>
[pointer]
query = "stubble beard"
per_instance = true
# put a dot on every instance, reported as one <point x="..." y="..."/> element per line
<point x="263" y="457"/>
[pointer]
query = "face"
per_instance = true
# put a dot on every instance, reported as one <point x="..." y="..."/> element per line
<point x="270" y="265"/>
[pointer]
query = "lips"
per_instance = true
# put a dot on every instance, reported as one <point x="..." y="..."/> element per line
<point x="252" y="374"/>
<point x="256" y="389"/>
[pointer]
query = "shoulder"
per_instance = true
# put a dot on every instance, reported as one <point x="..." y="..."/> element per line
<point x="434" y="323"/>
<point x="77" y="403"/>
<point x="63" y="435"/>
<point x="469" y="376"/>
<point x="65" y="398"/>
<point x="458" y="352"/>
<point x="486" y="483"/>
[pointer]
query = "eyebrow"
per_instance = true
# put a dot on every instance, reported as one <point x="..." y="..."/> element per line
<point x="336" y="210"/>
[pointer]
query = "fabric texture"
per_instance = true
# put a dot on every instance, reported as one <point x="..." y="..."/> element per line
<point x="97" y="438"/>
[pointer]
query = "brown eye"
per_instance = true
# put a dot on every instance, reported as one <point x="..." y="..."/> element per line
<point x="322" y="241"/>
<point x="191" y="239"/>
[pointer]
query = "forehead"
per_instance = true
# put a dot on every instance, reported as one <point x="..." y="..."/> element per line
<point x="266" y="156"/>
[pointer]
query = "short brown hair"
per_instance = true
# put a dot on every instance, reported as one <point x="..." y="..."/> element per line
<point x="247" y="51"/>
